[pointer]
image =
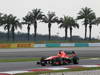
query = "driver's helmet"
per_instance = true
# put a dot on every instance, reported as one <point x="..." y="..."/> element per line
<point x="60" y="51"/>
<point x="73" y="52"/>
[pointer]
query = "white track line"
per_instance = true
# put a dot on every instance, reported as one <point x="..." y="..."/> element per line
<point x="14" y="72"/>
<point x="50" y="68"/>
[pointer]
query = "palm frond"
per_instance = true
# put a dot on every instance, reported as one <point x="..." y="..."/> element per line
<point x="84" y="13"/>
<point x="98" y="21"/>
<point x="50" y="18"/>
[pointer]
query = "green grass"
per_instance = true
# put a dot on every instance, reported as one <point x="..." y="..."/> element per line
<point x="10" y="42"/>
<point x="69" y="70"/>
<point x="52" y="41"/>
<point x="68" y="41"/>
<point x="89" y="57"/>
<point x="19" y="60"/>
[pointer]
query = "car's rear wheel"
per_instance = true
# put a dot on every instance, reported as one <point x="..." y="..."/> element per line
<point x="75" y="60"/>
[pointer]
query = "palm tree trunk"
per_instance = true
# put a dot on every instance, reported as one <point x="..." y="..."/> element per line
<point x="90" y="29"/>
<point x="85" y="31"/>
<point x="35" y="29"/>
<point x="65" y="33"/>
<point x="49" y="27"/>
<point x="70" y="33"/>
<point x="8" y="33"/>
<point x="13" y="33"/>
<point x="28" y="33"/>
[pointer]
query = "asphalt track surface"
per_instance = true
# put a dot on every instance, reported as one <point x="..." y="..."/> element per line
<point x="39" y="52"/>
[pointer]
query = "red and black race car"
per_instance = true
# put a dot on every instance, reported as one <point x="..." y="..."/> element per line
<point x="62" y="58"/>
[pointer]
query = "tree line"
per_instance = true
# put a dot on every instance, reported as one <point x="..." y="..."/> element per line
<point x="11" y="22"/>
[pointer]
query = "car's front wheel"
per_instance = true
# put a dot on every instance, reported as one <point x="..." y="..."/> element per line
<point x="43" y="62"/>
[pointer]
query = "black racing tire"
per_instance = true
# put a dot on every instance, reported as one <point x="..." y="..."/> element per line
<point x="75" y="60"/>
<point x="37" y="62"/>
<point x="42" y="61"/>
<point x="43" y="64"/>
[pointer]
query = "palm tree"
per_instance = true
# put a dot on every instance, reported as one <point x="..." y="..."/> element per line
<point x="84" y="14"/>
<point x="15" y="24"/>
<point x="97" y="20"/>
<point x="72" y="24"/>
<point x="64" y="23"/>
<point x="1" y="15"/>
<point x="10" y="23"/>
<point x="68" y="22"/>
<point x="6" y="21"/>
<point x="36" y="15"/>
<point x="27" y="20"/>
<point x="49" y="19"/>
<point x="92" y="21"/>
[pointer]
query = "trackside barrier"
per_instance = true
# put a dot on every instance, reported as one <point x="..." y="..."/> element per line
<point x="53" y="45"/>
<point x="94" y="44"/>
<point x="5" y="45"/>
<point x="25" y="45"/>
<point x="17" y="45"/>
<point x="39" y="45"/>
<point x="14" y="45"/>
<point x="81" y="45"/>
<point x="32" y="45"/>
<point x="67" y="45"/>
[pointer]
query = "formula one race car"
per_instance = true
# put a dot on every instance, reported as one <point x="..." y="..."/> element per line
<point x="62" y="58"/>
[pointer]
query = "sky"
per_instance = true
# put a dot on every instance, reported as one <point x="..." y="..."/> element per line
<point x="71" y="8"/>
